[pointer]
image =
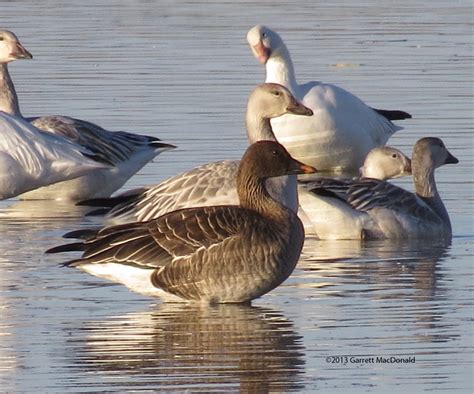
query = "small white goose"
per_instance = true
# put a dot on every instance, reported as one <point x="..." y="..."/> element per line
<point x="327" y="218"/>
<point x="126" y="152"/>
<point x="215" y="254"/>
<point x="213" y="183"/>
<point x="31" y="158"/>
<point x="343" y="128"/>
<point x="372" y="208"/>
<point x="384" y="163"/>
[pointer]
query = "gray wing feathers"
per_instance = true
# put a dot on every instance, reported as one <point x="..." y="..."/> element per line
<point x="369" y="194"/>
<point x="115" y="146"/>
<point x="191" y="188"/>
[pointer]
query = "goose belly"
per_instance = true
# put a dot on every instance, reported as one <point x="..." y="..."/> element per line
<point x="97" y="184"/>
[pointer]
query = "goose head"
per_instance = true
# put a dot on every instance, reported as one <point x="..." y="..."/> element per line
<point x="430" y="152"/>
<point x="264" y="43"/>
<point x="267" y="101"/>
<point x="11" y="48"/>
<point x="384" y="163"/>
<point x="268" y="159"/>
<point x="270" y="100"/>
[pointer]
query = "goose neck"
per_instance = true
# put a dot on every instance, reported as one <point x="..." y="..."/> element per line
<point x="253" y="195"/>
<point x="8" y="97"/>
<point x="424" y="180"/>
<point x="280" y="69"/>
<point x="425" y="187"/>
<point x="258" y="127"/>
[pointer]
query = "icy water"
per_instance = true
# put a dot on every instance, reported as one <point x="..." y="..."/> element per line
<point x="182" y="71"/>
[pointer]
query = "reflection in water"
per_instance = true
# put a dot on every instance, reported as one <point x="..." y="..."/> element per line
<point x="186" y="347"/>
<point x="33" y="226"/>
<point x="381" y="263"/>
<point x="405" y="267"/>
<point x="39" y="209"/>
<point x="389" y="273"/>
<point x="27" y="228"/>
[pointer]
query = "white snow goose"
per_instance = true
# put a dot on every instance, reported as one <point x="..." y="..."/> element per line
<point x="385" y="163"/>
<point x="327" y="218"/>
<point x="31" y="158"/>
<point x="343" y="129"/>
<point x="127" y="152"/>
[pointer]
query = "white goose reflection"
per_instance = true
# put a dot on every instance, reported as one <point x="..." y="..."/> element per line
<point x="389" y="283"/>
<point x="186" y="347"/>
<point x="28" y="228"/>
<point x="39" y="209"/>
<point x="374" y="265"/>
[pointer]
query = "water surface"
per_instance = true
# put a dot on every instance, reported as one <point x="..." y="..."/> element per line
<point x="181" y="71"/>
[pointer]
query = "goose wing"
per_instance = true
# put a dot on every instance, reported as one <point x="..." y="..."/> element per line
<point x="156" y="243"/>
<point x="206" y="185"/>
<point x="370" y="194"/>
<point x="114" y="146"/>
<point x="40" y="154"/>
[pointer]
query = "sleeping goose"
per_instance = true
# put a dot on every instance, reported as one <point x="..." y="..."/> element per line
<point x="370" y="208"/>
<point x="343" y="128"/>
<point x="31" y="158"/>
<point x="215" y="254"/>
<point x="212" y="183"/>
<point x="127" y="152"/>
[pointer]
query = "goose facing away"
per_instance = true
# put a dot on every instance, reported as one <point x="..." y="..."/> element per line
<point x="343" y="128"/>
<point x="212" y="183"/>
<point x="31" y="158"/>
<point x="215" y="254"/>
<point x="378" y="209"/>
<point x="127" y="152"/>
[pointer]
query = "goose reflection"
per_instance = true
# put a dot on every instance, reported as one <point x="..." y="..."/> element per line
<point x="34" y="225"/>
<point x="402" y="280"/>
<point x="39" y="209"/>
<point x="189" y="347"/>
<point x="377" y="264"/>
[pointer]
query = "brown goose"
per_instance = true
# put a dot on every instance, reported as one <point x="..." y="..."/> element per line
<point x="215" y="254"/>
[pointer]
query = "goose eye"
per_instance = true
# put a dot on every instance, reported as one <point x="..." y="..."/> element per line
<point x="1" y="38"/>
<point x="394" y="155"/>
<point x="264" y="35"/>
<point x="274" y="152"/>
<point x="277" y="93"/>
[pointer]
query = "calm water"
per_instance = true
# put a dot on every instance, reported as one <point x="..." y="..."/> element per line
<point x="181" y="70"/>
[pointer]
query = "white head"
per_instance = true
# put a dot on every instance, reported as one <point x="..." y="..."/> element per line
<point x="385" y="163"/>
<point x="264" y="43"/>
<point x="11" y="48"/>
